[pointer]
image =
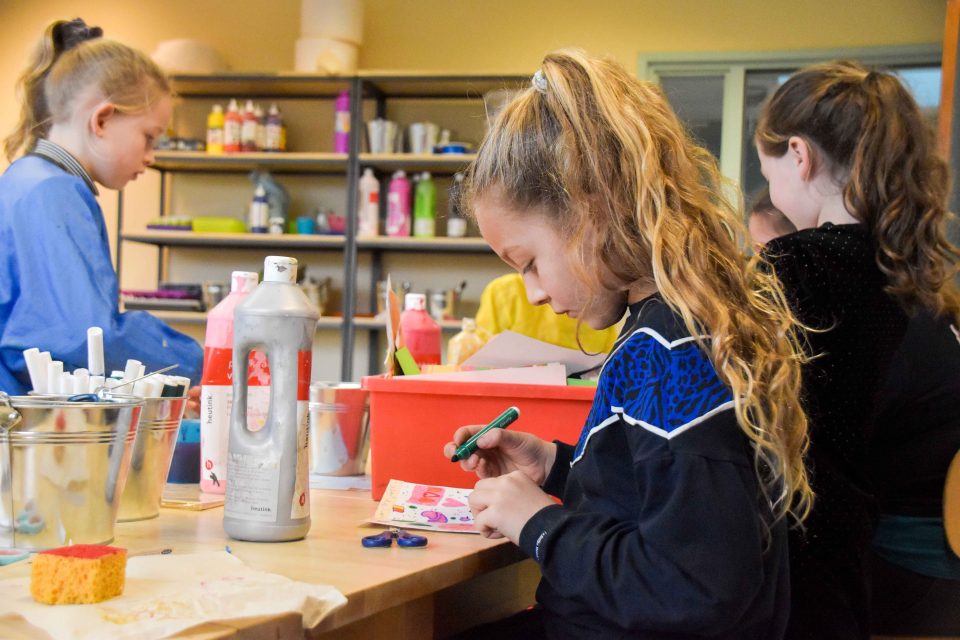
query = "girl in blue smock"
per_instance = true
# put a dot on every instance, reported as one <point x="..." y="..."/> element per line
<point x="91" y="111"/>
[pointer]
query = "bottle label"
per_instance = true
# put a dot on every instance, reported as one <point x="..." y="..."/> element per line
<point x="272" y="137"/>
<point x="231" y="134"/>
<point x="342" y="122"/>
<point x="300" y="504"/>
<point x="214" y="137"/>
<point x="216" y="403"/>
<point x="424" y="227"/>
<point x="254" y="489"/>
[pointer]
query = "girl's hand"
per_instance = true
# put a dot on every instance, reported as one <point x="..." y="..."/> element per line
<point x="193" y="403"/>
<point x="501" y="451"/>
<point x="502" y="506"/>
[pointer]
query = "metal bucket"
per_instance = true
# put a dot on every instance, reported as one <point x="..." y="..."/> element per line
<point x="339" y="428"/>
<point x="64" y="465"/>
<point x="150" y="462"/>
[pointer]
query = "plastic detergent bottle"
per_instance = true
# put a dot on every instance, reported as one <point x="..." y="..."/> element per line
<point x="368" y="215"/>
<point x="341" y="136"/>
<point x="466" y="343"/>
<point x="217" y="384"/>
<point x="248" y="128"/>
<point x="421" y="333"/>
<point x="232" y="125"/>
<point x="398" y="206"/>
<point x="425" y="208"/>
<point x="456" y="222"/>
<point x="215" y="130"/>
<point x="268" y="496"/>
<point x="259" y="216"/>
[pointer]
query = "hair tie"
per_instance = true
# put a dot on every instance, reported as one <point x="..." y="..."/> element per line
<point x="539" y="81"/>
<point x="67" y="35"/>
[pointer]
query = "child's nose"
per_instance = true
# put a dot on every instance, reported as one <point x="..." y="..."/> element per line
<point x="535" y="293"/>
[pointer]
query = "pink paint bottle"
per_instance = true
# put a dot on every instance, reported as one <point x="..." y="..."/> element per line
<point x="398" y="206"/>
<point x="421" y="333"/>
<point x="341" y="136"/>
<point x="217" y="384"/>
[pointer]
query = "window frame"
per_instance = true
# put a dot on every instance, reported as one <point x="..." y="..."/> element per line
<point x="734" y="66"/>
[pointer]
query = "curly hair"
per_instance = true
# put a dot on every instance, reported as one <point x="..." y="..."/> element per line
<point x="875" y="142"/>
<point x="628" y="188"/>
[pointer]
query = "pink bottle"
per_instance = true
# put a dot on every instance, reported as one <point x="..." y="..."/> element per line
<point x="398" y="206"/>
<point x="217" y="384"/>
<point x="421" y="333"/>
<point x="341" y="136"/>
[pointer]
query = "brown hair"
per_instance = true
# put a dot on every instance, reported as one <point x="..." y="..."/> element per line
<point x="605" y="154"/>
<point x="878" y="147"/>
<point x="69" y="58"/>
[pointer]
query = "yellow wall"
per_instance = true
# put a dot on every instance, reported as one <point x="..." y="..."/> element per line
<point x="496" y="35"/>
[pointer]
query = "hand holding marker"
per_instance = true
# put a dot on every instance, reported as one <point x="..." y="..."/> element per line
<point x="469" y="447"/>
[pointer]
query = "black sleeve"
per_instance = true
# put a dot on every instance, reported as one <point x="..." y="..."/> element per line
<point x="666" y="570"/>
<point x="557" y="479"/>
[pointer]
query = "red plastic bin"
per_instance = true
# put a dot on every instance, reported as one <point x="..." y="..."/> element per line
<point x="411" y="420"/>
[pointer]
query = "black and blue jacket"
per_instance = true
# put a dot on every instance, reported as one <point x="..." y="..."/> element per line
<point x="661" y="530"/>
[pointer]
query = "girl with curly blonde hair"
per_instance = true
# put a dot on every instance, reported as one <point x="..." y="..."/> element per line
<point x="677" y="497"/>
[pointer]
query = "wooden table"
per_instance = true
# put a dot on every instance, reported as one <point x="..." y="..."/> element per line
<point x="458" y="580"/>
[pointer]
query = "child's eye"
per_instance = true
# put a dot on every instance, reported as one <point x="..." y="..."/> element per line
<point x="527" y="269"/>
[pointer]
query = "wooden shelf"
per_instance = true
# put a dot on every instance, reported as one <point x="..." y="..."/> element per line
<point x="439" y="84"/>
<point x="200" y="317"/>
<point x="280" y="162"/>
<point x="434" y="163"/>
<point x="325" y="322"/>
<point x="439" y="244"/>
<point x="447" y="326"/>
<point x="288" y="84"/>
<point x="235" y="240"/>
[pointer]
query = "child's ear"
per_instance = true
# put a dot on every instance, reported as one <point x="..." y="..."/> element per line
<point x="802" y="156"/>
<point x="100" y="116"/>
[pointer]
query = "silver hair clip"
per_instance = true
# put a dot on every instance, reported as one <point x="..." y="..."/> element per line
<point x="539" y="81"/>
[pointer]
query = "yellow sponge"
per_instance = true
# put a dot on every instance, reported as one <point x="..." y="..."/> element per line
<point x="78" y="574"/>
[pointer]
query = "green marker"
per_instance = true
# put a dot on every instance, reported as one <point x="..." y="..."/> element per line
<point x="467" y="449"/>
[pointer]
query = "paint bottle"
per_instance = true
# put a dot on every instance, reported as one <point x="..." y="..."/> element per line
<point x="368" y="211"/>
<point x="232" y="125"/>
<point x="425" y="208"/>
<point x="248" y="128"/>
<point x="456" y="222"/>
<point x="466" y="343"/>
<point x="268" y="496"/>
<point x="259" y="215"/>
<point x="216" y="391"/>
<point x="215" y="124"/>
<point x="341" y="135"/>
<point x="421" y="333"/>
<point x="274" y="130"/>
<point x="398" y="206"/>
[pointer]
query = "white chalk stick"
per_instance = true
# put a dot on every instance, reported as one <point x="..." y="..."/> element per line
<point x="54" y="374"/>
<point x="95" y="383"/>
<point x="36" y="369"/>
<point x="95" y="351"/>
<point x="81" y="381"/>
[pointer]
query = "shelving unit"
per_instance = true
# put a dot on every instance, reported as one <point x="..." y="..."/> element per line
<point x="372" y="95"/>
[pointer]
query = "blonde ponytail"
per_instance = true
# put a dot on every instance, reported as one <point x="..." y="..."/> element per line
<point x="70" y="58"/>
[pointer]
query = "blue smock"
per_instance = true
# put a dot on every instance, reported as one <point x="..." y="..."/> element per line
<point x="57" y="279"/>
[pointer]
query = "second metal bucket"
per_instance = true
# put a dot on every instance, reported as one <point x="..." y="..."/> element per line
<point x="339" y="428"/>
<point x="150" y="461"/>
<point x="63" y="466"/>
